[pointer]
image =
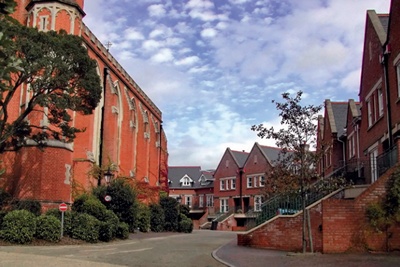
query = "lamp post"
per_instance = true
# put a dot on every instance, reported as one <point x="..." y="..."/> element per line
<point x="108" y="175"/>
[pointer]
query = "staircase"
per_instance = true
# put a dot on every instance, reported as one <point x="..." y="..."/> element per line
<point x="289" y="204"/>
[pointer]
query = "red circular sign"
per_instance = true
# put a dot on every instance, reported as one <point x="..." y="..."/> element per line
<point x="63" y="207"/>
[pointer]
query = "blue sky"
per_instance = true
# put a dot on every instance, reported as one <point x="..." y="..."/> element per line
<point x="213" y="67"/>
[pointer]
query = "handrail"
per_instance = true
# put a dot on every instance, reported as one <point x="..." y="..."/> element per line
<point x="288" y="204"/>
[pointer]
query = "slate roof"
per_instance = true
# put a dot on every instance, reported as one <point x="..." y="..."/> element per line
<point x="384" y="18"/>
<point x="200" y="178"/>
<point x="340" y="115"/>
<point x="240" y="157"/>
<point x="272" y="153"/>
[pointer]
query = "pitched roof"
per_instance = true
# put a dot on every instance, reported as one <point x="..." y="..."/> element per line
<point x="240" y="157"/>
<point x="337" y="115"/>
<point x="272" y="153"/>
<point x="198" y="177"/>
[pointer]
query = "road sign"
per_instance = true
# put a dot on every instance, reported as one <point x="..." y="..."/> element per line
<point x="63" y="207"/>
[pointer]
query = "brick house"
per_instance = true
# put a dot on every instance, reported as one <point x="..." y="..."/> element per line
<point x="239" y="185"/>
<point x="370" y="150"/>
<point x="133" y="138"/>
<point x="193" y="187"/>
<point x="331" y="127"/>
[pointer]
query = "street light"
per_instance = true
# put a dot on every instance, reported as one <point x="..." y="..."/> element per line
<point x="108" y="175"/>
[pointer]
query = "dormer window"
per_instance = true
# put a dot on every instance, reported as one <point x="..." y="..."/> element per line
<point x="186" y="181"/>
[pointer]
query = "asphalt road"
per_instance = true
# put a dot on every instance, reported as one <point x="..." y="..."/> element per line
<point x="198" y="249"/>
<point x="165" y="249"/>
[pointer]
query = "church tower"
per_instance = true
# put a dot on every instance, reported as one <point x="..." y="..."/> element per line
<point x="56" y="15"/>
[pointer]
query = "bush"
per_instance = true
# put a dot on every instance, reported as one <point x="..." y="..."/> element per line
<point x="84" y="227"/>
<point x="122" y="231"/>
<point x="94" y="207"/>
<point x="185" y="224"/>
<point x="67" y="219"/>
<point x="123" y="200"/>
<point x="48" y="228"/>
<point x="143" y="218"/>
<point x="31" y="205"/>
<point x="54" y="212"/>
<point x="170" y="207"/>
<point x="157" y="218"/>
<point x="19" y="226"/>
<point x="109" y="226"/>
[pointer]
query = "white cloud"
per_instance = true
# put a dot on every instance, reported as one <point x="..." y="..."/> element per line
<point x="208" y="33"/>
<point x="187" y="61"/>
<point x="163" y="55"/>
<point x="156" y="10"/>
<point x="213" y="67"/>
<point x="133" y="34"/>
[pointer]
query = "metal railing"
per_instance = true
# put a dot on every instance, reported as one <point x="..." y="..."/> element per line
<point x="289" y="204"/>
<point x="222" y="216"/>
<point x="386" y="160"/>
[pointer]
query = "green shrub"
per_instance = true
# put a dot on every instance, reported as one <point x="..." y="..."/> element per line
<point x="123" y="200"/>
<point x="67" y="219"/>
<point x="31" y="205"/>
<point x="157" y="218"/>
<point x="54" y="212"/>
<point x="170" y="207"/>
<point x="122" y="231"/>
<point x="48" y="228"/>
<point x="109" y="226"/>
<point x="185" y="224"/>
<point x="143" y="218"/>
<point x="78" y="202"/>
<point x="19" y="226"/>
<point x="84" y="227"/>
<point x="94" y="207"/>
<point x="184" y="209"/>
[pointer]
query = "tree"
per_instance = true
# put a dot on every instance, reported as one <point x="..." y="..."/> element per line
<point x="7" y="6"/>
<point x="294" y="169"/>
<point x="57" y="76"/>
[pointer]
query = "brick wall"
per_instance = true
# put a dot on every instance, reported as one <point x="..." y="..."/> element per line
<point x="285" y="233"/>
<point x="345" y="227"/>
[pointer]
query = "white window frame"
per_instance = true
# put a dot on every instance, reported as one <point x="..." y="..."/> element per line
<point x="227" y="184"/>
<point x="233" y="184"/>
<point x="188" y="201"/>
<point x="250" y="182"/>
<point x="210" y="201"/>
<point x="262" y="181"/>
<point x="380" y="102"/>
<point x="186" y="181"/>
<point x="255" y="183"/>
<point x="201" y="201"/>
<point x="257" y="203"/>
<point x="222" y="185"/>
<point x="224" y="205"/>
<point x="44" y="22"/>
<point x="369" y="113"/>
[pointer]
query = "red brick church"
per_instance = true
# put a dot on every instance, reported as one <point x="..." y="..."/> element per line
<point x="133" y="138"/>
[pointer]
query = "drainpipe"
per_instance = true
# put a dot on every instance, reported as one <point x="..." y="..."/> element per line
<point x="101" y="143"/>
<point x="240" y="188"/>
<point x="385" y="60"/>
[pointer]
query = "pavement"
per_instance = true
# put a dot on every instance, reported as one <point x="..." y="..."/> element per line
<point x="228" y="254"/>
<point x="233" y="255"/>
